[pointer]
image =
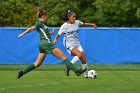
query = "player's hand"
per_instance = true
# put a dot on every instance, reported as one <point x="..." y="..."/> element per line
<point x="54" y="29"/>
<point x="54" y="42"/>
<point x="21" y="35"/>
<point x="95" y="26"/>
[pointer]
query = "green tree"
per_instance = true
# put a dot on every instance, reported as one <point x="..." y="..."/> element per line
<point x="116" y="12"/>
<point x="21" y="13"/>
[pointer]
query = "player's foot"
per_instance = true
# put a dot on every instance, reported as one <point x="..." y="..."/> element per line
<point x="66" y="69"/>
<point x="95" y="76"/>
<point x="19" y="74"/>
<point x="86" y="74"/>
<point x="79" y="72"/>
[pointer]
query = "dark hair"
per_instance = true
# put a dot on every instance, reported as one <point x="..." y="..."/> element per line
<point x="66" y="15"/>
<point x="41" y="12"/>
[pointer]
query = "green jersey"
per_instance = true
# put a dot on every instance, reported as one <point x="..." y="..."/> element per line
<point x="46" y="45"/>
<point x="43" y="31"/>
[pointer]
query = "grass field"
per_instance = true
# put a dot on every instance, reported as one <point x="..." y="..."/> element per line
<point x="51" y="79"/>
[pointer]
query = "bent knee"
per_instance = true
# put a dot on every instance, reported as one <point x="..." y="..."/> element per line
<point x="63" y="57"/>
<point x="37" y="64"/>
<point x="80" y="55"/>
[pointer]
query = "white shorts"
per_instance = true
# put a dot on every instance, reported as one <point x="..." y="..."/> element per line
<point x="79" y="48"/>
<point x="70" y="45"/>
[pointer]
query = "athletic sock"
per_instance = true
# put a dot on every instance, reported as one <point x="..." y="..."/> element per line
<point x="70" y="65"/>
<point x="74" y="60"/>
<point x="85" y="66"/>
<point x="29" y="68"/>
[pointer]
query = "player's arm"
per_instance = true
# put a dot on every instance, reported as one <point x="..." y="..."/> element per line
<point x="55" y="39"/>
<point x="27" y="31"/>
<point x="58" y="35"/>
<point x="53" y="31"/>
<point x="90" y="24"/>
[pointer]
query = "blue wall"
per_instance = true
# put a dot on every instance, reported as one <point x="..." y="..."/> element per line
<point x="101" y="46"/>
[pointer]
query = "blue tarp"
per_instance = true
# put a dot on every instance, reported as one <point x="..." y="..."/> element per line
<point x="101" y="46"/>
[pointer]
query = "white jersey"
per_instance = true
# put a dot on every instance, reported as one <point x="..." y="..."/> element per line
<point x="70" y="31"/>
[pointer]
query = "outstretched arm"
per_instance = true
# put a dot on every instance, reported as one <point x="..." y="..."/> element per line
<point x="52" y="31"/>
<point x="90" y="24"/>
<point x="27" y="31"/>
<point x="55" y="39"/>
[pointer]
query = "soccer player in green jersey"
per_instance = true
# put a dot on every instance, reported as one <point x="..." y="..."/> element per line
<point x="46" y="46"/>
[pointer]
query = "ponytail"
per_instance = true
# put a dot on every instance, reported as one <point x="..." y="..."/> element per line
<point x="66" y="15"/>
<point x="41" y="12"/>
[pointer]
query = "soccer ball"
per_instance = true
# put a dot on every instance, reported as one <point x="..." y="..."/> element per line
<point x="92" y="74"/>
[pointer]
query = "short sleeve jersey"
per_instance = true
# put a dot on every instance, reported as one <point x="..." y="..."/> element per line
<point x="43" y="31"/>
<point x="70" y="32"/>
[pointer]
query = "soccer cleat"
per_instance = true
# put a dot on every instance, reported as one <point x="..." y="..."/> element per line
<point x="85" y="75"/>
<point x="66" y="69"/>
<point x="95" y="76"/>
<point x="79" y="72"/>
<point x="19" y="74"/>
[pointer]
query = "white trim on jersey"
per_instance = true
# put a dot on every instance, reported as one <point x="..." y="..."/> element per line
<point x="44" y="34"/>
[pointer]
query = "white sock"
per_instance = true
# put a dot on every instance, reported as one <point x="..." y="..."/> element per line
<point x="74" y="60"/>
<point x="85" y="66"/>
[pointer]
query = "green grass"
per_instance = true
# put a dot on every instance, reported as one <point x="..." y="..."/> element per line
<point x="110" y="79"/>
<point x="121" y="67"/>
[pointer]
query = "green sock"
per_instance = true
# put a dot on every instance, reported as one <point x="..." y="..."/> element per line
<point x="29" y="68"/>
<point x="70" y="65"/>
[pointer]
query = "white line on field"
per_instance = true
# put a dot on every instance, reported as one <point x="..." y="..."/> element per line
<point x="27" y="86"/>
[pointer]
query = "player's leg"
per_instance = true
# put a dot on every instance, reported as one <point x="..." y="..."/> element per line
<point x="75" y="59"/>
<point x="76" y="52"/>
<point x="84" y="66"/>
<point x="79" y="52"/>
<point x="83" y="59"/>
<point x="38" y="62"/>
<point x="57" y="53"/>
<point x="76" y="55"/>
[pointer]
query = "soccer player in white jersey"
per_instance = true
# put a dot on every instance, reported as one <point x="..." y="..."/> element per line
<point x="71" y="39"/>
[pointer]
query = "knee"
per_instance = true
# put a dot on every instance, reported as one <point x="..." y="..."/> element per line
<point x="80" y="55"/>
<point x="63" y="57"/>
<point x="37" y="64"/>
